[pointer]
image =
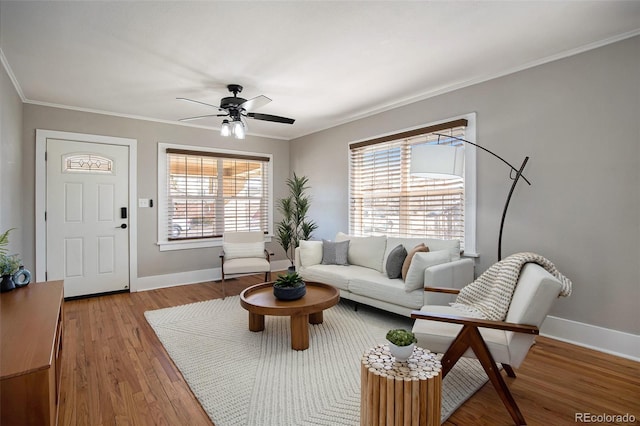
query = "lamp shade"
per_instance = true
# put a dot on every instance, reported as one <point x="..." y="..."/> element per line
<point x="238" y="129"/>
<point x="225" y="130"/>
<point x="437" y="161"/>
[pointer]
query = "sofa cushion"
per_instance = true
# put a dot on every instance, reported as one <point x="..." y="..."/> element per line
<point x="337" y="275"/>
<point x="407" y="261"/>
<point x="395" y="260"/>
<point x="421" y="261"/>
<point x="379" y="287"/>
<point x="365" y="251"/>
<point x="335" y="253"/>
<point x="310" y="252"/>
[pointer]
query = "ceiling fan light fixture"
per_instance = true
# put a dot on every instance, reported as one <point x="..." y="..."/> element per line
<point x="237" y="109"/>
<point x="238" y="129"/>
<point x="225" y="129"/>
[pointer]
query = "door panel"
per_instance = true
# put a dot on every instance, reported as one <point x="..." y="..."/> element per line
<point x="74" y="259"/>
<point x="106" y="249"/>
<point x="73" y="209"/>
<point x="87" y="185"/>
<point x="106" y="203"/>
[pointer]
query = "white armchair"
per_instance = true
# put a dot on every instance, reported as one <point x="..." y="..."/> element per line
<point x="244" y="253"/>
<point x="448" y="330"/>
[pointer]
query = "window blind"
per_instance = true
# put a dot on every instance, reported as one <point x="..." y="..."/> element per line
<point x="387" y="200"/>
<point x="209" y="193"/>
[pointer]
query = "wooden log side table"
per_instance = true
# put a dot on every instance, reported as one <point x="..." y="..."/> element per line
<point x="400" y="393"/>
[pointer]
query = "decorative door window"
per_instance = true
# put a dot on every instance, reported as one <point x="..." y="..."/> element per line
<point x="86" y="163"/>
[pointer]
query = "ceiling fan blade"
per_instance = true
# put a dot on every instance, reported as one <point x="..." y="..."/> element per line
<point x="201" y="103"/>
<point x="255" y="103"/>
<point x="268" y="117"/>
<point x="203" y="116"/>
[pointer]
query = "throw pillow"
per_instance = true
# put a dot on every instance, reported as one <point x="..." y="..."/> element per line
<point x="243" y="250"/>
<point x="407" y="262"/>
<point x="310" y="253"/>
<point x="365" y="251"/>
<point x="420" y="262"/>
<point x="395" y="260"/>
<point x="335" y="253"/>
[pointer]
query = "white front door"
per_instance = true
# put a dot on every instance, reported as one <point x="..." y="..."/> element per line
<point x="87" y="211"/>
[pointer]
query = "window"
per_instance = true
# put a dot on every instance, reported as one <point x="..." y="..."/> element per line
<point x="387" y="200"/>
<point x="84" y="163"/>
<point x="205" y="193"/>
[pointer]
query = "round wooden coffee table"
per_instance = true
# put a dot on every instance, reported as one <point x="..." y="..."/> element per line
<point x="260" y="301"/>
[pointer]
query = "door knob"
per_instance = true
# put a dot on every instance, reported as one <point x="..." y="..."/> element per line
<point x="123" y="226"/>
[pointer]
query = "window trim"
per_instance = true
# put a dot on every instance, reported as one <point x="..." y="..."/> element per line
<point x="470" y="182"/>
<point x="163" y="241"/>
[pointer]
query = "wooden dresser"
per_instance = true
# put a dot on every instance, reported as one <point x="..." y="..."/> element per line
<point x="30" y="349"/>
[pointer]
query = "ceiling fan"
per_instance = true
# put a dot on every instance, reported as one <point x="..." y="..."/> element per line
<point x="237" y="109"/>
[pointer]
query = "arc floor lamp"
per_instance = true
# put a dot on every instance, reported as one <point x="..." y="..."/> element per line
<point x="441" y="161"/>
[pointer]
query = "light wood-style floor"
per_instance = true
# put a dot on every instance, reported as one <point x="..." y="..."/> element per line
<point x="116" y="372"/>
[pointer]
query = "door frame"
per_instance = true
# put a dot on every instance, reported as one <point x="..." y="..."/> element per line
<point x="41" y="196"/>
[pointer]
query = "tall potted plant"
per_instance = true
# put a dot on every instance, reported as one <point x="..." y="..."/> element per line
<point x="294" y="225"/>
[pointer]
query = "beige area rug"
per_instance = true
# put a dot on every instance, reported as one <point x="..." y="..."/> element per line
<point x="246" y="378"/>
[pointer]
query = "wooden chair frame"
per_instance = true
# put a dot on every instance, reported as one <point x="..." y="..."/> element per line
<point x="470" y="337"/>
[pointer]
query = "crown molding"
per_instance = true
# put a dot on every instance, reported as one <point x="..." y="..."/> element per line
<point x="11" y="75"/>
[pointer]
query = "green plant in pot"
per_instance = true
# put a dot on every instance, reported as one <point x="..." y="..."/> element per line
<point x="9" y="264"/>
<point x="294" y="225"/>
<point x="401" y="343"/>
<point x="289" y="286"/>
<point x="4" y="240"/>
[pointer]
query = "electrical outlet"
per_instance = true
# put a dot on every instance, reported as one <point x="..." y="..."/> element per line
<point x="143" y="202"/>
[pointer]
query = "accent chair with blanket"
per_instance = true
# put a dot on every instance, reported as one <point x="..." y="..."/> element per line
<point x="494" y="319"/>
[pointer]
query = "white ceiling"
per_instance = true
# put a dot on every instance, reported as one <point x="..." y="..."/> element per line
<point x="323" y="63"/>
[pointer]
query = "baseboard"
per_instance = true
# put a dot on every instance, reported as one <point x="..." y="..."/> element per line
<point x="602" y="339"/>
<point x="192" y="277"/>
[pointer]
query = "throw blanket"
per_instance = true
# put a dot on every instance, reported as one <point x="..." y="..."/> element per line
<point x="490" y="295"/>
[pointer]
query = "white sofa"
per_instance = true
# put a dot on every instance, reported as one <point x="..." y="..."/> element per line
<point x="365" y="279"/>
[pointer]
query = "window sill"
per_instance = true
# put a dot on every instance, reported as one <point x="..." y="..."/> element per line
<point x="195" y="244"/>
<point x="189" y="244"/>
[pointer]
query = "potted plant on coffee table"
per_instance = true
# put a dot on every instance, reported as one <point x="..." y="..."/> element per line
<point x="289" y="287"/>
<point x="401" y="343"/>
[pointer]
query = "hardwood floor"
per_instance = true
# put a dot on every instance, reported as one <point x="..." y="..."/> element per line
<point x="116" y="372"/>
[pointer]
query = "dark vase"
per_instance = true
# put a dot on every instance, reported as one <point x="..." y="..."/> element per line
<point x="289" y="293"/>
<point x="7" y="283"/>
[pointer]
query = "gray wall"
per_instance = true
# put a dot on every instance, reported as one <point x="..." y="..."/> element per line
<point x="578" y="119"/>
<point x="151" y="261"/>
<point x="11" y="170"/>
